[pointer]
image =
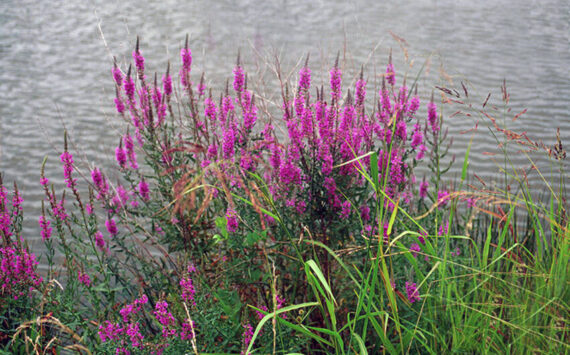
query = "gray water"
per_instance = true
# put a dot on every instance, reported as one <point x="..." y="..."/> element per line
<point x="55" y="64"/>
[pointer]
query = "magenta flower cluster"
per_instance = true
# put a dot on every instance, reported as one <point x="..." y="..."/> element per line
<point x="18" y="274"/>
<point x="128" y="333"/>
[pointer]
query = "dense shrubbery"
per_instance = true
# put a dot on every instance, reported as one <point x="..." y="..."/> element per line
<point x="221" y="235"/>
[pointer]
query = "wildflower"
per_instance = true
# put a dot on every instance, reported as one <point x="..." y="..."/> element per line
<point x="423" y="189"/>
<point x="443" y="228"/>
<point x="421" y="152"/>
<point x="111" y="227"/>
<point x="186" y="333"/>
<point x="336" y="78"/>
<point x="119" y="105"/>
<point x="109" y="331"/>
<point x="210" y="109"/>
<point x="167" y="84"/>
<point x="99" y="240"/>
<point x="360" y="93"/>
<point x="365" y="213"/>
<point x="67" y="160"/>
<point x="59" y="210"/>
<point x="414" y="106"/>
<point x="228" y="143"/>
<point x="165" y="318"/>
<point x="232" y="221"/>
<point x="305" y="78"/>
<point x="45" y="228"/>
<point x="239" y="79"/>
<point x="44" y="181"/>
<point x="390" y="72"/>
<point x="129" y="86"/>
<point x="144" y="190"/>
<point x="139" y="59"/>
<point x="186" y="55"/>
<point x="188" y="291"/>
<point x="121" y="154"/>
<point x="133" y="331"/>
<point x="432" y="116"/>
<point x="83" y="278"/>
<point x="247" y="336"/>
<point x="443" y="197"/>
<point x="259" y="314"/>
<point x="130" y="150"/>
<point x="345" y="212"/>
<point x="421" y="238"/>
<point x="414" y="249"/>
<point x="412" y="292"/>
<point x="100" y="183"/>
<point x="117" y="75"/>
<point x="417" y="137"/>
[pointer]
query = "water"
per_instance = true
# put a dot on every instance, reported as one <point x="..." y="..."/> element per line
<point x="55" y="66"/>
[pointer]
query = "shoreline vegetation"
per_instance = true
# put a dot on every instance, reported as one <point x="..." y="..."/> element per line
<point x="215" y="234"/>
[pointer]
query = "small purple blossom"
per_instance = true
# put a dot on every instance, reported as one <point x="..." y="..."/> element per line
<point x="305" y="78"/>
<point x="414" y="249"/>
<point x="336" y="79"/>
<point x="139" y="61"/>
<point x="67" y="160"/>
<point x="188" y="291"/>
<point x="423" y="189"/>
<point x="83" y="278"/>
<point x="443" y="197"/>
<point x="45" y="228"/>
<point x="247" y="336"/>
<point x="167" y="84"/>
<point x="390" y="73"/>
<point x="130" y="150"/>
<point x="239" y="79"/>
<point x="144" y="190"/>
<point x="232" y="220"/>
<point x="345" y="211"/>
<point x="412" y="292"/>
<point x="121" y="156"/>
<point x="432" y="116"/>
<point x="99" y="240"/>
<point x="111" y="227"/>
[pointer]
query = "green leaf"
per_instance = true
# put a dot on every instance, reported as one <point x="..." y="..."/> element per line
<point x="221" y="223"/>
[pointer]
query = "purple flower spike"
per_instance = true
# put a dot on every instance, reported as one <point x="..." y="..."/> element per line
<point x="46" y="229"/>
<point x="415" y="249"/>
<point x="305" y="78"/>
<point x="186" y="55"/>
<point x="144" y="190"/>
<point x="117" y="75"/>
<point x="139" y="59"/>
<point x="167" y="84"/>
<point x="360" y="92"/>
<point x="99" y="240"/>
<point x="67" y="160"/>
<point x="239" y="79"/>
<point x="412" y="292"/>
<point x="432" y="116"/>
<point x="423" y="189"/>
<point x="390" y="72"/>
<point x="129" y="86"/>
<point x="100" y="183"/>
<point x="119" y="105"/>
<point x="130" y="150"/>
<point x="121" y="155"/>
<point x="336" y="81"/>
<point x="111" y="227"/>
<point x="232" y="221"/>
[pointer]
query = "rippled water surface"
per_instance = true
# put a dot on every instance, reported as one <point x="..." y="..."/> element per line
<point x="55" y="64"/>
